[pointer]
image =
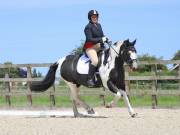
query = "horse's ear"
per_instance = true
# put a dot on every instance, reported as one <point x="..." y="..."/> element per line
<point x="134" y="42"/>
<point x="126" y="41"/>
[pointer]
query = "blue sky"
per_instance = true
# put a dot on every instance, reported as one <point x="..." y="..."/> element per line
<point x="40" y="31"/>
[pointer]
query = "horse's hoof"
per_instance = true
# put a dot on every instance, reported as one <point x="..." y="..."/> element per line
<point x="108" y="106"/>
<point x="91" y="111"/>
<point x="79" y="115"/>
<point x="134" y="115"/>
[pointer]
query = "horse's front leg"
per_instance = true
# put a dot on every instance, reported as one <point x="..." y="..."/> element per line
<point x="127" y="103"/>
<point x="114" y="102"/>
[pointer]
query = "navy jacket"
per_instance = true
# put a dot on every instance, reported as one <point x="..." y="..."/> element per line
<point x="93" y="33"/>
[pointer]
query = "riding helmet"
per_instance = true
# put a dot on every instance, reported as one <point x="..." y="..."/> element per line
<point x="92" y="12"/>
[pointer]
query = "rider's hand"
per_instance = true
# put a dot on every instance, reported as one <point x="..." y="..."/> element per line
<point x="104" y="40"/>
<point x="109" y="42"/>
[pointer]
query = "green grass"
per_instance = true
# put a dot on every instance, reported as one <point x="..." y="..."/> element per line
<point x="40" y="100"/>
<point x="63" y="101"/>
<point x="2" y="101"/>
<point x="169" y="101"/>
<point x="17" y="101"/>
<point x="94" y="101"/>
<point x="163" y="101"/>
<point x="141" y="101"/>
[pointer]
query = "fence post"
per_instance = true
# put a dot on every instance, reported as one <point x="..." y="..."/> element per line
<point x="154" y="87"/>
<point x="8" y="90"/>
<point x="29" y="94"/>
<point x="102" y="97"/>
<point x="127" y="82"/>
<point x="179" y="76"/>
<point x="52" y="97"/>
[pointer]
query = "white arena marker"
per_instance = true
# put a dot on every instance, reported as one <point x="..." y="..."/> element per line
<point x="47" y="113"/>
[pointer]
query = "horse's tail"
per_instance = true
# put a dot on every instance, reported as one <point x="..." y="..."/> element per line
<point x="48" y="81"/>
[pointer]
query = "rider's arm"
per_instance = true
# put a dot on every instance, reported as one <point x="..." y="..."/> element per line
<point x="89" y="36"/>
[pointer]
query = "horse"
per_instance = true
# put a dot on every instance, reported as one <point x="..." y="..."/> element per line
<point x="110" y="74"/>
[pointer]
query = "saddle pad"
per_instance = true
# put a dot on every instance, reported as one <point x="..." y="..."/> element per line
<point x="83" y="65"/>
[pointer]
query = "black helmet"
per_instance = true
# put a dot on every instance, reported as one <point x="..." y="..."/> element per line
<point x="92" y="12"/>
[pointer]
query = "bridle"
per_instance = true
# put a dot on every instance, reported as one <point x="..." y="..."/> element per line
<point x="121" y="52"/>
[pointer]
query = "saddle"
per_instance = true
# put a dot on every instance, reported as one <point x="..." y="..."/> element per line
<point x="84" y="61"/>
<point x="83" y="64"/>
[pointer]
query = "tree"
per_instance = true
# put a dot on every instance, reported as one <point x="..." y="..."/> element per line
<point x="16" y="72"/>
<point x="78" y="49"/>
<point x="176" y="55"/>
<point x="39" y="74"/>
<point x="36" y="74"/>
<point x="13" y="72"/>
<point x="147" y="68"/>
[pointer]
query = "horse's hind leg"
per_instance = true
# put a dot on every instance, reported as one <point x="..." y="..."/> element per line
<point x="75" y="95"/>
<point x="73" y="99"/>
<point x="82" y="103"/>
<point x="76" y="100"/>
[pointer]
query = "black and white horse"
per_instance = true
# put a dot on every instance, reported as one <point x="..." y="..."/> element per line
<point x="110" y="76"/>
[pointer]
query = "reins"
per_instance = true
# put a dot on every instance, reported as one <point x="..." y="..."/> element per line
<point x="110" y="46"/>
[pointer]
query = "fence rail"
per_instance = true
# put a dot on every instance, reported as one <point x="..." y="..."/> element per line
<point x="153" y="77"/>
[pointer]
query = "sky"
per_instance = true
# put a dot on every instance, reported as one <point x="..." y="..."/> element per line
<point x="42" y="31"/>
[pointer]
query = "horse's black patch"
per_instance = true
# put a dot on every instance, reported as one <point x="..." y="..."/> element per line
<point x="106" y="56"/>
<point x="70" y="74"/>
<point x="116" y="76"/>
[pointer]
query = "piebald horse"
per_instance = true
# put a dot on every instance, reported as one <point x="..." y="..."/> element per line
<point x="110" y="74"/>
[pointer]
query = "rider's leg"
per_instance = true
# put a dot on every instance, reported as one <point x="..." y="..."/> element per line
<point x="92" y="54"/>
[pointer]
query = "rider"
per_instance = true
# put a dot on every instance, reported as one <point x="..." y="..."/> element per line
<point x="95" y="40"/>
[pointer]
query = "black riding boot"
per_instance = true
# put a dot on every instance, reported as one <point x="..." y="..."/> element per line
<point x="92" y="70"/>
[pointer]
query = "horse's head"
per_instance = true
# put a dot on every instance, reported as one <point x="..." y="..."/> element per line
<point x="127" y="52"/>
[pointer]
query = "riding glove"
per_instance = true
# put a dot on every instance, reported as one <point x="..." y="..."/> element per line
<point x="104" y="40"/>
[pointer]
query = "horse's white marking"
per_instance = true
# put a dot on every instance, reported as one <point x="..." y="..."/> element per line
<point x="118" y="46"/>
<point x="126" y="100"/>
<point x="105" y="70"/>
<point x="118" y="94"/>
<point x="133" y="55"/>
<point x="60" y="61"/>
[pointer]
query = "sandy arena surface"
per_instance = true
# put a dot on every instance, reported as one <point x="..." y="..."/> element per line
<point x="118" y="122"/>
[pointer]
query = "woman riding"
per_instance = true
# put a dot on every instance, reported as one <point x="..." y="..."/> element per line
<point x="95" y="40"/>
